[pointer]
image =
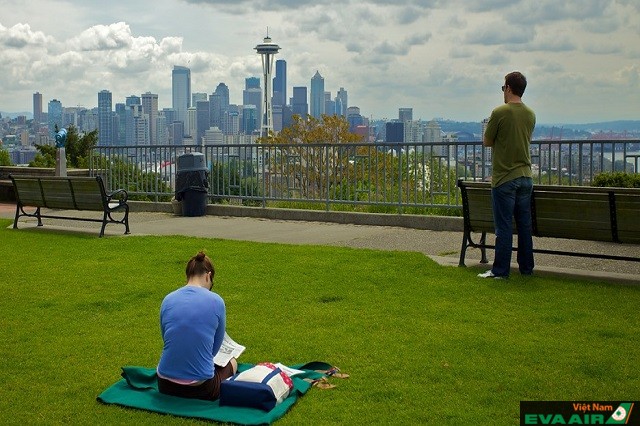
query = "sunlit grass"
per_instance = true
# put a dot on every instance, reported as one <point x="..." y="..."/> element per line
<point x="423" y="343"/>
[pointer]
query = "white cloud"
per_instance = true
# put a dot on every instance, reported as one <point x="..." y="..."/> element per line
<point x="20" y="35"/>
<point x="443" y="58"/>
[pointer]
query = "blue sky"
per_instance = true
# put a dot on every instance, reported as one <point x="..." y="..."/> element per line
<point x="443" y="58"/>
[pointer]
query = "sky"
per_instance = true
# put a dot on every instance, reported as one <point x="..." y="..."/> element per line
<point x="443" y="58"/>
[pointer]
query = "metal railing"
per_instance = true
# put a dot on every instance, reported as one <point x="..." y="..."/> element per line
<point x="390" y="177"/>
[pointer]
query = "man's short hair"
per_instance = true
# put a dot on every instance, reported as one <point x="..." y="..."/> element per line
<point x="517" y="82"/>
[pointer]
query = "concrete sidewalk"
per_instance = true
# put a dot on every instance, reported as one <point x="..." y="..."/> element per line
<point x="442" y="246"/>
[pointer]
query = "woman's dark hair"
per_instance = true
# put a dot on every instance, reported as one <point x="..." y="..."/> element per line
<point x="517" y="82"/>
<point x="198" y="265"/>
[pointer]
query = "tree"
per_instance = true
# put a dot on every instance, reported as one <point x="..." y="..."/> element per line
<point x="300" y="168"/>
<point x="77" y="149"/>
<point x="5" y="160"/>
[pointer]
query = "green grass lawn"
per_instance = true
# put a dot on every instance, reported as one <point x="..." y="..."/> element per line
<point x="422" y="343"/>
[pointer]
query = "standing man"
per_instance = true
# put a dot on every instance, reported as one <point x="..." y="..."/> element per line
<point x="509" y="133"/>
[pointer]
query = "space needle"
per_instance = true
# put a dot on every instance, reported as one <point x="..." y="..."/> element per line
<point x="267" y="50"/>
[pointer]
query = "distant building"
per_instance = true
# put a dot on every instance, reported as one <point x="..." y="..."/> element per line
<point x="250" y="119"/>
<point x="394" y="132"/>
<point x="280" y="83"/>
<point x="299" y="104"/>
<point x="181" y="91"/>
<point x="150" y="109"/>
<point x="203" y="122"/>
<point x="317" y="95"/>
<point x="433" y="132"/>
<point x="213" y="136"/>
<point x="405" y="114"/>
<point x="37" y="107"/>
<point x="342" y="102"/>
<point x="54" y="112"/>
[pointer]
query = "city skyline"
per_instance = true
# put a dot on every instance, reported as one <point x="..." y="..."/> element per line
<point x="443" y="59"/>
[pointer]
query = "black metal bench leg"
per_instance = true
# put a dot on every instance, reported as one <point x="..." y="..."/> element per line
<point x="15" y="222"/>
<point x="463" y="250"/>
<point x="126" y="220"/>
<point x="104" y="224"/>
<point x="483" y="241"/>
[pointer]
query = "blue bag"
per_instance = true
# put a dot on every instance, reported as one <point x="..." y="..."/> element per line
<point x="262" y="386"/>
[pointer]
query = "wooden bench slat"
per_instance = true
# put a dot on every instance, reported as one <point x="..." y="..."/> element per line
<point x="30" y="191"/>
<point x="57" y="193"/>
<point x="92" y="198"/>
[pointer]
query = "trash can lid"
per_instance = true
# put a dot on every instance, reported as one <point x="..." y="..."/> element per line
<point x="191" y="161"/>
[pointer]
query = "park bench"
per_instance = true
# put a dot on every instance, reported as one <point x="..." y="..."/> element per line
<point x="69" y="193"/>
<point x="573" y="212"/>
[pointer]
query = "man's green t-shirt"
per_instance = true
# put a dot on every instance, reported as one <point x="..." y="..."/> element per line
<point x="510" y="127"/>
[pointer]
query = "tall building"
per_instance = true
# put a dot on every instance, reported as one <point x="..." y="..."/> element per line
<point x="317" y="95"/>
<point x="120" y="137"/>
<point x="252" y="83"/>
<point x="249" y="119"/>
<point x="433" y="132"/>
<point x="280" y="83"/>
<point x="37" y="107"/>
<point x="253" y="96"/>
<point x="203" y="122"/>
<point x="191" y="126"/>
<point x="176" y="132"/>
<point x="150" y="109"/>
<point x="299" y="104"/>
<point x="329" y="104"/>
<point x="394" y="132"/>
<point x="213" y="136"/>
<point x="105" y="120"/>
<point x="218" y="104"/>
<point x="181" y="91"/>
<point x="267" y="50"/>
<point x="198" y="96"/>
<point x="405" y="114"/>
<point x="133" y="100"/>
<point x="54" y="112"/>
<point x="342" y="102"/>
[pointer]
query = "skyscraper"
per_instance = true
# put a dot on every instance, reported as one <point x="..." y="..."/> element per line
<point x="252" y="83"/>
<point x="150" y="109"/>
<point x="267" y="50"/>
<point x="105" y="120"/>
<point x="342" y="102"/>
<point x="317" y="95"/>
<point x="299" y="103"/>
<point x="181" y="91"/>
<point x="203" y="121"/>
<point x="252" y="95"/>
<point x="218" y="104"/>
<point x="280" y="83"/>
<point x="120" y="138"/>
<point x="37" y="107"/>
<point x="405" y="114"/>
<point x="54" y="112"/>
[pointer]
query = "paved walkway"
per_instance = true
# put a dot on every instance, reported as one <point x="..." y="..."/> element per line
<point x="442" y="246"/>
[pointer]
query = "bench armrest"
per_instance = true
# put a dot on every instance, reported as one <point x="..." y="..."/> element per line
<point x="121" y="195"/>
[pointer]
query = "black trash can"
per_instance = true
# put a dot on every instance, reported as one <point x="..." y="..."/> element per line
<point x="192" y="181"/>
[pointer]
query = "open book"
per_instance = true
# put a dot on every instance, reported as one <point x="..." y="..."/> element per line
<point x="229" y="349"/>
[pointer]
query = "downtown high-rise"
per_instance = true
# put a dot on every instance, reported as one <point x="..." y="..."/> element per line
<point x="181" y="92"/>
<point x="105" y="118"/>
<point x="150" y="109"/>
<point x="317" y="96"/>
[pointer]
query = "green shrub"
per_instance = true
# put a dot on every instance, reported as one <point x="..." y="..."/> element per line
<point x="617" y="180"/>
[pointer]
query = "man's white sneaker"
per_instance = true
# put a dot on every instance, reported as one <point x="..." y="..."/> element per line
<point x="489" y="274"/>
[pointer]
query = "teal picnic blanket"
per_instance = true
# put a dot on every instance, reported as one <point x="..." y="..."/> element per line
<point x="139" y="389"/>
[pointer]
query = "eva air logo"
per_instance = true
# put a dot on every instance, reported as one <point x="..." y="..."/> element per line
<point x="621" y="415"/>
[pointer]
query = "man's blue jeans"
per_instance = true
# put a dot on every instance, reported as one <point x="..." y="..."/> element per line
<point x="513" y="200"/>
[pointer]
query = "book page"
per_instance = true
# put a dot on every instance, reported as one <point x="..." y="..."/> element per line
<point x="229" y="349"/>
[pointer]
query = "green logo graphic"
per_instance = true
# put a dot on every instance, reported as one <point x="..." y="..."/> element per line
<point x="621" y="415"/>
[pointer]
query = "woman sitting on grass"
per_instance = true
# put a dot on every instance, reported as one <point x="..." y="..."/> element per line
<point x="192" y="321"/>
